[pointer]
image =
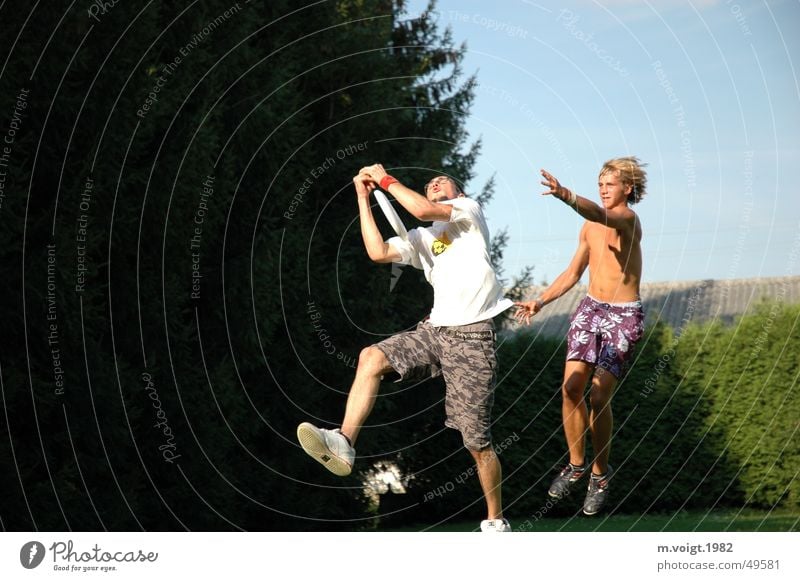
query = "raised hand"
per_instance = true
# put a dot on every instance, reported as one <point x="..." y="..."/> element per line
<point x="364" y="185"/>
<point x="552" y="184"/>
<point x="556" y="189"/>
<point x="375" y="171"/>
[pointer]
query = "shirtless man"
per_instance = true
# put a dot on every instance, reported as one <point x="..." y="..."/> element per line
<point x="606" y="324"/>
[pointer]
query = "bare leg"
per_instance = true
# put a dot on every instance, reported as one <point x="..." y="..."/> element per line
<point x="601" y="420"/>
<point x="491" y="475"/>
<point x="573" y="409"/>
<point x="372" y="364"/>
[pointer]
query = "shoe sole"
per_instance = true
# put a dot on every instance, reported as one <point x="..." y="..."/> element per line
<point x="319" y="451"/>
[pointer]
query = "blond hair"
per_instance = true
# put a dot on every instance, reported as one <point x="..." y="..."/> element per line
<point x="630" y="171"/>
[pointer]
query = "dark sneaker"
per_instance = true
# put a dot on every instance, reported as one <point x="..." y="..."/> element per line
<point x="597" y="493"/>
<point x="569" y="475"/>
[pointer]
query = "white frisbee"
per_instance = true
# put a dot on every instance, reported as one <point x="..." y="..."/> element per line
<point x="391" y="215"/>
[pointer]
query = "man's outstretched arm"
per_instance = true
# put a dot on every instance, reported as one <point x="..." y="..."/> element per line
<point x="618" y="218"/>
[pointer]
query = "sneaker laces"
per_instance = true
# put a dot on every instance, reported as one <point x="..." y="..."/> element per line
<point x="598" y="484"/>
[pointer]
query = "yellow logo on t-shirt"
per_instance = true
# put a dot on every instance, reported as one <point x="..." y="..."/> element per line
<point x="440" y="244"/>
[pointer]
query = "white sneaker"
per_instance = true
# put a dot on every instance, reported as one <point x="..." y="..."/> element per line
<point x="328" y="447"/>
<point x="497" y="525"/>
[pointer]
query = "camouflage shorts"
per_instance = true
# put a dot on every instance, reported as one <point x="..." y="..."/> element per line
<point x="465" y="357"/>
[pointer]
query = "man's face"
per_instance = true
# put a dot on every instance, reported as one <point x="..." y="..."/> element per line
<point x="613" y="192"/>
<point x="441" y="188"/>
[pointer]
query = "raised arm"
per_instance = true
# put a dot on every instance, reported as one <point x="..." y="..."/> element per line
<point x="563" y="282"/>
<point x="378" y="250"/>
<point x="620" y="218"/>
<point x="417" y="205"/>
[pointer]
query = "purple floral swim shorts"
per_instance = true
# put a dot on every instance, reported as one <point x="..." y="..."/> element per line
<point x="604" y="334"/>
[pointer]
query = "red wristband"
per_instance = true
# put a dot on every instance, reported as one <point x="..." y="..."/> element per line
<point x="387" y="181"/>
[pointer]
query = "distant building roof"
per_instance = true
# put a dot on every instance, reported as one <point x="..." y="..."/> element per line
<point x="676" y="303"/>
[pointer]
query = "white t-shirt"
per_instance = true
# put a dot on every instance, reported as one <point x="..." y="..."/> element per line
<point x="455" y="258"/>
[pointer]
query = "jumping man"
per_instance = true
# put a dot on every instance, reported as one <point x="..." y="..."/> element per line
<point x="456" y="341"/>
<point x="606" y="324"/>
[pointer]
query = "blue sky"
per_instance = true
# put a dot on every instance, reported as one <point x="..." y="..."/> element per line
<point x="706" y="92"/>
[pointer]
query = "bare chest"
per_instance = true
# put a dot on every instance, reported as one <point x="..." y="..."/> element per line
<point x="602" y="238"/>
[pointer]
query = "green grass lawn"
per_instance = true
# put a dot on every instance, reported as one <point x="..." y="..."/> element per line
<point x="727" y="520"/>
